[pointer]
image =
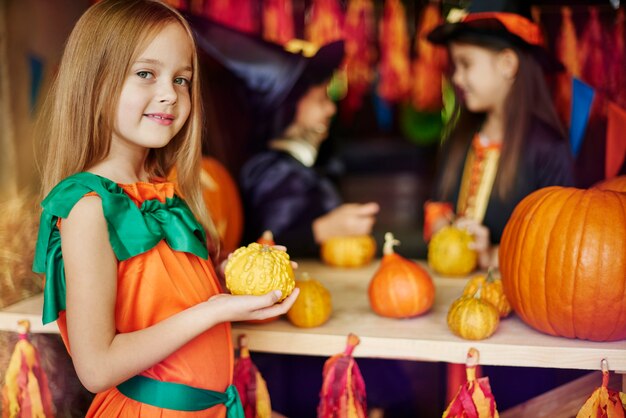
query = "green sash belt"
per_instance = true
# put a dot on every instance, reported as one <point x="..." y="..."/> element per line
<point x="180" y="397"/>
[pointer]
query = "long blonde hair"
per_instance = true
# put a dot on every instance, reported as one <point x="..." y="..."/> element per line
<point x="75" y="126"/>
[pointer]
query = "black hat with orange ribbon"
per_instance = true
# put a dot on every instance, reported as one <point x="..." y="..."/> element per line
<point x="502" y="20"/>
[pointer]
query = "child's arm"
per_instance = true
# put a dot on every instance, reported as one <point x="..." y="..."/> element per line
<point x="103" y="358"/>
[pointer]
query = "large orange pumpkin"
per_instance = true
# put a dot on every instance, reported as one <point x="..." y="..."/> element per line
<point x="617" y="184"/>
<point x="400" y="288"/>
<point x="563" y="262"/>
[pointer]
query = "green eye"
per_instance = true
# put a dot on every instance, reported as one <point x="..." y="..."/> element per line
<point x="181" y="81"/>
<point x="144" y="74"/>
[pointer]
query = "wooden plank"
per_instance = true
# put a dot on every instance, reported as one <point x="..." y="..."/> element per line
<point x="425" y="338"/>
<point x="562" y="402"/>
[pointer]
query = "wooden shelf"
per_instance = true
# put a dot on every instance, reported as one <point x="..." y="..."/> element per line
<point x="425" y="338"/>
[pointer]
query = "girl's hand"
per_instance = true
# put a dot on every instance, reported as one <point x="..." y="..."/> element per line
<point x="481" y="242"/>
<point x="230" y="308"/>
<point x="346" y="220"/>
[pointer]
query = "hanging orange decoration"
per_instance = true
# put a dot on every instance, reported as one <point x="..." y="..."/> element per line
<point x="567" y="52"/>
<point x="324" y="22"/>
<point x="360" y="53"/>
<point x="242" y="15"/>
<point x="593" y="57"/>
<point x="474" y="398"/>
<point x="617" y="72"/>
<point x="25" y="393"/>
<point x="251" y="386"/>
<point x="428" y="66"/>
<point x="343" y="389"/>
<point x="278" y="21"/>
<point x="604" y="402"/>
<point x="394" y="66"/>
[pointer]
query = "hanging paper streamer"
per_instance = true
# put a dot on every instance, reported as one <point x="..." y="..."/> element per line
<point x="582" y="98"/>
<point x="343" y="389"/>
<point x="617" y="70"/>
<point x="278" y="21"/>
<point x="474" y="398"/>
<point x="242" y="15"/>
<point x="251" y="386"/>
<point x="567" y="52"/>
<point x="324" y="22"/>
<point x="394" y="67"/>
<point x="25" y="393"/>
<point x="594" y="62"/>
<point x="615" y="140"/>
<point x="360" y="53"/>
<point x="604" y="402"/>
<point x="427" y="67"/>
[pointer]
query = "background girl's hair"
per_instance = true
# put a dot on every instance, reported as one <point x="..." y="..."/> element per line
<point x="528" y="99"/>
<point x="75" y="126"/>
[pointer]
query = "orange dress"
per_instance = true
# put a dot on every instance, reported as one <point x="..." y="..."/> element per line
<point x="152" y="286"/>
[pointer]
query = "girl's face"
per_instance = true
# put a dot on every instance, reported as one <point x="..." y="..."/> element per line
<point x="483" y="76"/>
<point x="155" y="100"/>
<point x="315" y="110"/>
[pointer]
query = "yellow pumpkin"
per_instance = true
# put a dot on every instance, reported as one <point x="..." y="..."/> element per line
<point x="449" y="252"/>
<point x="471" y="318"/>
<point x="354" y="251"/>
<point x="313" y="306"/>
<point x="258" y="269"/>
<point x="491" y="292"/>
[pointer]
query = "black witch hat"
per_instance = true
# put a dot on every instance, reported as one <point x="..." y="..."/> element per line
<point x="269" y="72"/>
<point x="505" y="20"/>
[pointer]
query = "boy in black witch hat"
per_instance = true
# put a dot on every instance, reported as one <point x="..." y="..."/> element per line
<point x="289" y="116"/>
<point x="506" y="143"/>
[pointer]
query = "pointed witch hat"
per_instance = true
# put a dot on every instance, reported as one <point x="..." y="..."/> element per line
<point x="269" y="71"/>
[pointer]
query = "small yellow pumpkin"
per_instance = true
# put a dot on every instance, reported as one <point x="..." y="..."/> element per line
<point x="313" y="306"/>
<point x="491" y="292"/>
<point x="471" y="318"/>
<point x="449" y="252"/>
<point x="258" y="269"/>
<point x="353" y="251"/>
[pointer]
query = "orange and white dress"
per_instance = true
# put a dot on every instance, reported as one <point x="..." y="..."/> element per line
<point x="163" y="268"/>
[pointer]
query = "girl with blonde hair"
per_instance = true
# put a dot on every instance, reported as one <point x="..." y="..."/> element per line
<point x="127" y="274"/>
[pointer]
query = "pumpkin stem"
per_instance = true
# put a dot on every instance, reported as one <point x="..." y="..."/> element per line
<point x="491" y="274"/>
<point x="243" y="346"/>
<point x="390" y="241"/>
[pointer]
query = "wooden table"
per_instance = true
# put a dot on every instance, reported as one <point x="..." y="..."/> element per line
<point x="425" y="338"/>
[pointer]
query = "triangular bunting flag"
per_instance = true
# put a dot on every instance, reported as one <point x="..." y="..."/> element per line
<point x="582" y="98"/>
<point x="615" y="140"/>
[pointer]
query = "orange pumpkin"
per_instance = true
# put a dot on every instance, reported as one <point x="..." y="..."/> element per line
<point x="563" y="263"/>
<point x="400" y="288"/>
<point x="617" y="184"/>
<point x="313" y="306"/>
<point x="222" y="199"/>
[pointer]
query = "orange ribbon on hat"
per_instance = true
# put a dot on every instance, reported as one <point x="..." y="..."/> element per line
<point x="514" y="23"/>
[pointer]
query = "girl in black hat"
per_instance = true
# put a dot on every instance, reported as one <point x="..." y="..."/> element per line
<point x="508" y="140"/>
<point x="506" y="143"/>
